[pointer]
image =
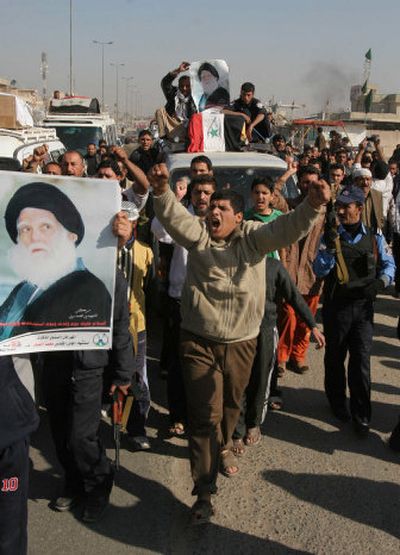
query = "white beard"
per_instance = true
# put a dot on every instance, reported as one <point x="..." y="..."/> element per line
<point x="210" y="86"/>
<point x="44" y="268"/>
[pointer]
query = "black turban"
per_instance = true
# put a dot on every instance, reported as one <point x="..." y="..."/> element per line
<point x="206" y="66"/>
<point x="45" y="197"/>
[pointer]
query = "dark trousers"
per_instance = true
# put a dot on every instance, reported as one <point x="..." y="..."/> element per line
<point x="141" y="404"/>
<point x="14" y="475"/>
<point x="396" y="256"/>
<point x="73" y="402"/>
<point x="348" y="328"/>
<point x="255" y="399"/>
<point x="216" y="375"/>
<point x="175" y="385"/>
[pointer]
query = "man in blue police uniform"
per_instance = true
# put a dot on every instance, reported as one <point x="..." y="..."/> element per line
<point x="348" y="306"/>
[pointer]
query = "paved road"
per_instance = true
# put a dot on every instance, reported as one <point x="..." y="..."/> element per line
<point x="311" y="486"/>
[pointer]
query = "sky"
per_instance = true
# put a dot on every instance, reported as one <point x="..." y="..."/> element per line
<point x="301" y="50"/>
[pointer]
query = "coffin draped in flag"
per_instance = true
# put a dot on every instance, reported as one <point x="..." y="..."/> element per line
<point x="206" y="132"/>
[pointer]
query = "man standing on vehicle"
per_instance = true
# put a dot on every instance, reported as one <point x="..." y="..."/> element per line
<point x="222" y="307"/>
<point x="254" y="113"/>
<point x="173" y="120"/>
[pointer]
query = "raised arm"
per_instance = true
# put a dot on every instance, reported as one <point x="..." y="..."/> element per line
<point x="291" y="227"/>
<point x="184" y="228"/>
<point x="379" y="150"/>
<point x="291" y="170"/>
<point x="361" y="150"/>
<point x="140" y="182"/>
<point x="166" y="82"/>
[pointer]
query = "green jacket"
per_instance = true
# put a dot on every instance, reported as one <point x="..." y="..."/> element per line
<point x="223" y="297"/>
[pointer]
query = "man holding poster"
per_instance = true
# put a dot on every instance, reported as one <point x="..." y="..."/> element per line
<point x="78" y="319"/>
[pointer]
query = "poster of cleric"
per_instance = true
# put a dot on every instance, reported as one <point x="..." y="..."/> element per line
<point x="58" y="257"/>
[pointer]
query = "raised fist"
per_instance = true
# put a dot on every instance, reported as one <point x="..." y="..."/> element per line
<point x="159" y="179"/>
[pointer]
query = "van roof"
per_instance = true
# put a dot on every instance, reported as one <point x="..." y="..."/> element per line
<point x="227" y="159"/>
<point x="13" y="141"/>
<point x="83" y="120"/>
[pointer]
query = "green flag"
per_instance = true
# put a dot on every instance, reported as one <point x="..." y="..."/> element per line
<point x="368" y="102"/>
<point x="368" y="55"/>
<point x="364" y="88"/>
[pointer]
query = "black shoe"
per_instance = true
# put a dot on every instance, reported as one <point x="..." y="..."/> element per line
<point x="361" y="426"/>
<point x="67" y="500"/>
<point x="95" y="507"/>
<point x="394" y="440"/>
<point x="297" y="368"/>
<point x="341" y="413"/>
<point x="97" y="500"/>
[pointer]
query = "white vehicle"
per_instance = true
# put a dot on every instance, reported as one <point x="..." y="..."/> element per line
<point x="78" y="122"/>
<point x="17" y="144"/>
<point x="232" y="170"/>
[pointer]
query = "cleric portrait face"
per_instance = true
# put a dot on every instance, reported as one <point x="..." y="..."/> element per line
<point x="209" y="82"/>
<point x="45" y="251"/>
<point x="46" y="228"/>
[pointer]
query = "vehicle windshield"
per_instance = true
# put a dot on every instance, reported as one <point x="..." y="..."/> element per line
<point x="77" y="138"/>
<point x="238" y="179"/>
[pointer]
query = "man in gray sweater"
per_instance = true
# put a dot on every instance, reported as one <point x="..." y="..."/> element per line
<point x="222" y="308"/>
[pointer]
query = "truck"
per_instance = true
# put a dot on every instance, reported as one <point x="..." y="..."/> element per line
<point x="78" y="121"/>
<point x="18" y="144"/>
<point x="19" y="136"/>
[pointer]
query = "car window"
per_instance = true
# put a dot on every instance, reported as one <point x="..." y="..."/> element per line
<point x="77" y="137"/>
<point x="238" y="179"/>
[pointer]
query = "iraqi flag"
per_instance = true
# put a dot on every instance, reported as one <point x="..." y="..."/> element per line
<point x="206" y="132"/>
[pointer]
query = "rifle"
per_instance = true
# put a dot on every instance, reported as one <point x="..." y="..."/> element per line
<point x="332" y="240"/>
<point x="117" y="411"/>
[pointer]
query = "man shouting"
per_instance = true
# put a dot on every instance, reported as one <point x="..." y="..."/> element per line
<point x="222" y="307"/>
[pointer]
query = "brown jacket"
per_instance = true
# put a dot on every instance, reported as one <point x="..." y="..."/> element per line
<point x="372" y="215"/>
<point x="299" y="258"/>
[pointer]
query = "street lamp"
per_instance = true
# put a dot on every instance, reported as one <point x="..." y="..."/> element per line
<point x="127" y="79"/>
<point x="71" y="88"/>
<point x="117" y="66"/>
<point x="102" y="44"/>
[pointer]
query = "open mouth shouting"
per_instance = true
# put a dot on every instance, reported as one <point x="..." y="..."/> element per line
<point x="215" y="223"/>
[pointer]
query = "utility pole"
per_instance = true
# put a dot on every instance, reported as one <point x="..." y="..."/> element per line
<point x="102" y="44"/>
<point x="71" y="87"/>
<point x="43" y="68"/>
<point x="117" y="66"/>
<point x="127" y="79"/>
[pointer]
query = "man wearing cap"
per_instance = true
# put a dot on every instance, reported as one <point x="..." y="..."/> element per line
<point x="55" y="286"/>
<point x="372" y="214"/>
<point x="348" y="306"/>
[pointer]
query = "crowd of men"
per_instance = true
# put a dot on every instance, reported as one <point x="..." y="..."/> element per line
<point x="240" y="291"/>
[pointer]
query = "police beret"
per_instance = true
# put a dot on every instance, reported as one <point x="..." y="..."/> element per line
<point x="46" y="197"/>
<point x="351" y="194"/>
